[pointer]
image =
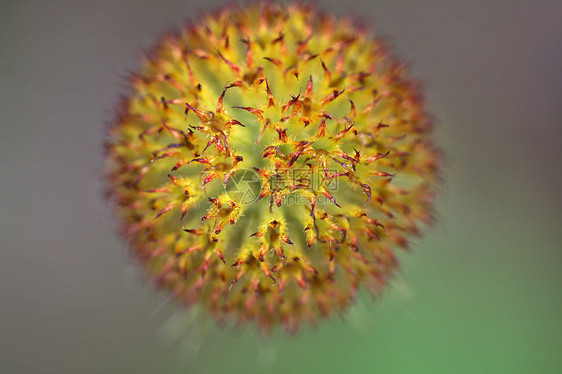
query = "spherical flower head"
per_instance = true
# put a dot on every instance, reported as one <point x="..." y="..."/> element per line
<point x="268" y="161"/>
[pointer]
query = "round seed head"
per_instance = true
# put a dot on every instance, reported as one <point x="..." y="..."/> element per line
<point x="268" y="161"/>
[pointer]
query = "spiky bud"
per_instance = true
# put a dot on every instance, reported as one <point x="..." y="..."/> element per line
<point x="268" y="161"/>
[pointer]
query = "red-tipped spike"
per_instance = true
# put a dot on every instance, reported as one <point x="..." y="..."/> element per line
<point x="379" y="173"/>
<point x="274" y="61"/>
<point x="321" y="129"/>
<point x="331" y="97"/>
<point x="270" y="102"/>
<point x="195" y="232"/>
<point x="282" y="135"/>
<point x="339" y="63"/>
<point x="330" y="197"/>
<point x="202" y="116"/>
<point x="166" y="209"/>
<point x="286" y="239"/>
<point x="235" y="69"/>
<point x="209" y="178"/>
<point x="254" y="111"/>
<point x="249" y="55"/>
<point x="308" y="91"/>
<point x="220" y="108"/>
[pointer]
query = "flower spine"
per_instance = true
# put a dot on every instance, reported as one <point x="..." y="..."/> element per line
<point x="268" y="161"/>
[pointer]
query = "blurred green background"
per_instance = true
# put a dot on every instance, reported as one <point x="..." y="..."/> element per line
<point x="480" y="293"/>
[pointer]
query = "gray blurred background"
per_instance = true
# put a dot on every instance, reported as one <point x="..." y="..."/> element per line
<point x="481" y="292"/>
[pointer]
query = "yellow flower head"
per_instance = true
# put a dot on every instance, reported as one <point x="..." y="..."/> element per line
<point x="268" y="161"/>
